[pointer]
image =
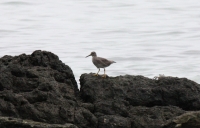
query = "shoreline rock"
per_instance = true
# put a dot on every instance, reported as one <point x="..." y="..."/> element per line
<point x="7" y="122"/>
<point x="41" y="90"/>
<point x="142" y="91"/>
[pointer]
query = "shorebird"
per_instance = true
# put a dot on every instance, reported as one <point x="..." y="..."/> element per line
<point x="100" y="62"/>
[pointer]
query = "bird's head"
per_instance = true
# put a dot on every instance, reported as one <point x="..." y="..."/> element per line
<point x="92" y="54"/>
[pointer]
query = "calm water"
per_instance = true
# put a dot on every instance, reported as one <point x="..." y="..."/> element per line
<point x="145" y="37"/>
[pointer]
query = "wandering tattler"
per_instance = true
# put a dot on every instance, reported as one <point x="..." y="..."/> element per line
<point x="100" y="62"/>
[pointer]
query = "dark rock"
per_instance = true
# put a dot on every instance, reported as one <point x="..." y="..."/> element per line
<point x="141" y="91"/>
<point x="6" y="122"/>
<point x="84" y="118"/>
<point x="144" y="102"/>
<point x="112" y="121"/>
<point x="186" y="120"/>
<point x="40" y="87"/>
<point x="88" y="106"/>
<point x="40" y="91"/>
<point x="152" y="117"/>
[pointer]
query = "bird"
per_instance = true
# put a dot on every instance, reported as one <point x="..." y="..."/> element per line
<point x="100" y="62"/>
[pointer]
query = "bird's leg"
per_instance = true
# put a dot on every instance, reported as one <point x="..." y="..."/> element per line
<point x="97" y="73"/>
<point x="104" y="75"/>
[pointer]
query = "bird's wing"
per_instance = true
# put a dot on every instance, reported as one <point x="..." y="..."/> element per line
<point x="104" y="61"/>
<point x="97" y="61"/>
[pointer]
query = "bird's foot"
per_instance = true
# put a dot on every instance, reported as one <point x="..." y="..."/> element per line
<point x="104" y="76"/>
<point x="96" y="74"/>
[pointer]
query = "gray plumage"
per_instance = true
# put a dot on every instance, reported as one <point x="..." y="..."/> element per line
<point x="100" y="62"/>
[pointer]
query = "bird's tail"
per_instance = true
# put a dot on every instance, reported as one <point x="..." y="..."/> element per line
<point x="113" y="62"/>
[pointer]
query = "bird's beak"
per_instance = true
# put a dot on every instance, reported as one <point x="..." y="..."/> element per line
<point x="88" y="55"/>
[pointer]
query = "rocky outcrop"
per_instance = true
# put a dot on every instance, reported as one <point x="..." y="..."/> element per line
<point x="40" y="87"/>
<point x="137" y="101"/>
<point x="141" y="91"/>
<point x="40" y="91"/>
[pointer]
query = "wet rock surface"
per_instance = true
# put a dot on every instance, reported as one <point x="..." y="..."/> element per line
<point x="38" y="90"/>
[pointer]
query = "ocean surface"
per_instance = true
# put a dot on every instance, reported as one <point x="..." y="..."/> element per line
<point x="144" y="37"/>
